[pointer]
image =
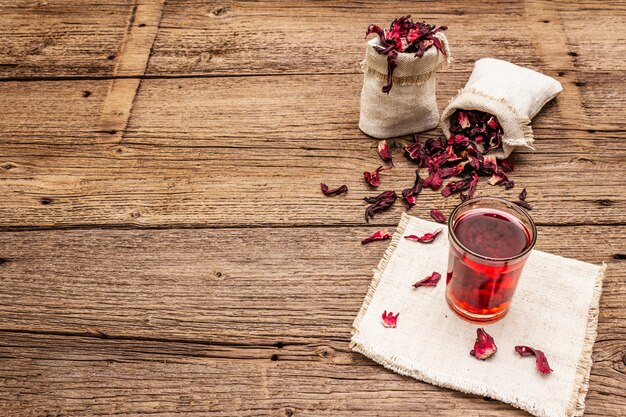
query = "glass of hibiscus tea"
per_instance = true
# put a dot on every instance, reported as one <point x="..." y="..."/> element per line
<point x="490" y="240"/>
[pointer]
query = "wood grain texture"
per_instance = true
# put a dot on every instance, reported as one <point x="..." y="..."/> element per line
<point x="131" y="322"/>
<point x="231" y="151"/>
<point x="182" y="143"/>
<point x="83" y="376"/>
<point x="61" y="38"/>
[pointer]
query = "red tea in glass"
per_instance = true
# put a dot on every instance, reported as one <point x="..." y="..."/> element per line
<point x="490" y="240"/>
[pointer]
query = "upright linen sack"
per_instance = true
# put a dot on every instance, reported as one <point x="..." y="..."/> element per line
<point x="511" y="93"/>
<point x="410" y="105"/>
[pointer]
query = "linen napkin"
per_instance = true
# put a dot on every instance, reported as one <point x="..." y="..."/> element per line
<point x="555" y="309"/>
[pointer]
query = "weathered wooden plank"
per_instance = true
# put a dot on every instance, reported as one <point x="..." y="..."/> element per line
<point x="68" y="375"/>
<point x="261" y="285"/>
<point x="70" y="38"/>
<point x="61" y="37"/>
<point x="225" y="152"/>
<point x="267" y="327"/>
<point x="595" y="33"/>
<point x="270" y="37"/>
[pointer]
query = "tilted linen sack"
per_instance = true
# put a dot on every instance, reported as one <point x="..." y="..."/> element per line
<point x="511" y="93"/>
<point x="410" y="105"/>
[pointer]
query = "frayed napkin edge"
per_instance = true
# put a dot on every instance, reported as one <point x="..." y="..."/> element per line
<point x="580" y="388"/>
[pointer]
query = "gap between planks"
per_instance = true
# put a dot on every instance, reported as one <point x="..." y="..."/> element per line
<point x="200" y="226"/>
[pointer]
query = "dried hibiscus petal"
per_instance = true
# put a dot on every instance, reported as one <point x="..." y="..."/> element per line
<point x="381" y="202"/>
<point x="378" y="235"/>
<point x="425" y="238"/>
<point x="429" y="281"/>
<point x="541" y="360"/>
<point x="463" y="120"/>
<point x="410" y="194"/>
<point x="383" y="151"/>
<point x="438" y="216"/>
<point x="507" y="166"/>
<point x="404" y="36"/>
<point x="434" y="180"/>
<point x="456" y="186"/>
<point x="500" y="178"/>
<point x="373" y="177"/>
<point x="472" y="188"/>
<point x="389" y="320"/>
<point x="522" y="195"/>
<point x="489" y="164"/>
<point x="328" y="192"/>
<point x="416" y="153"/>
<point x="434" y="146"/>
<point x="452" y="171"/>
<point x="524" y="204"/>
<point x="484" y="345"/>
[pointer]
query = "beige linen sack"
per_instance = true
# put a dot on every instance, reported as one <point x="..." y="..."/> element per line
<point x="511" y="93"/>
<point x="410" y="105"/>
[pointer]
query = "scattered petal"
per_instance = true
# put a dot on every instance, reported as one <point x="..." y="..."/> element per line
<point x="378" y="235"/>
<point x="500" y="178"/>
<point x="484" y="345"/>
<point x="541" y="360"/>
<point x="383" y="151"/>
<point x="426" y="238"/>
<point x="410" y="194"/>
<point x="456" y="186"/>
<point x="373" y="177"/>
<point x="463" y="120"/>
<point x="522" y="195"/>
<point x="507" y="166"/>
<point x="429" y="281"/>
<point x="524" y="204"/>
<point x="416" y="153"/>
<point x="328" y="192"/>
<point x="434" y="180"/>
<point x="438" y="216"/>
<point x="381" y="202"/>
<point x="389" y="320"/>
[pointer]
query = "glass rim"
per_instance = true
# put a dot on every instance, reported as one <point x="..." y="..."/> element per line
<point x="510" y="205"/>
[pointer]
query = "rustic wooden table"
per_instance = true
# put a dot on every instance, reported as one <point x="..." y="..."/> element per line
<point x="164" y="247"/>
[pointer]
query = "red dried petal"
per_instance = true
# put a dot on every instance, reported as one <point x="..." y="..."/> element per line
<point x="507" y="166"/>
<point x="373" y="177"/>
<point x="453" y="170"/>
<point x="489" y="164"/>
<point x="391" y="66"/>
<point x="426" y="238"/>
<point x="383" y="151"/>
<point x="434" y="180"/>
<point x="410" y="194"/>
<point x="463" y="120"/>
<point x="522" y="195"/>
<point x="389" y="320"/>
<point x="416" y="153"/>
<point x="541" y="360"/>
<point x="524" y="204"/>
<point x="456" y="186"/>
<point x="500" y="178"/>
<point x="381" y="202"/>
<point x="434" y="146"/>
<point x="493" y="123"/>
<point x="438" y="216"/>
<point x="429" y="281"/>
<point x="328" y="192"/>
<point x="378" y="235"/>
<point x="375" y="29"/>
<point x="484" y="346"/>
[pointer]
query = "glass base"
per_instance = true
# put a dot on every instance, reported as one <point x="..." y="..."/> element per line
<point x="475" y="318"/>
